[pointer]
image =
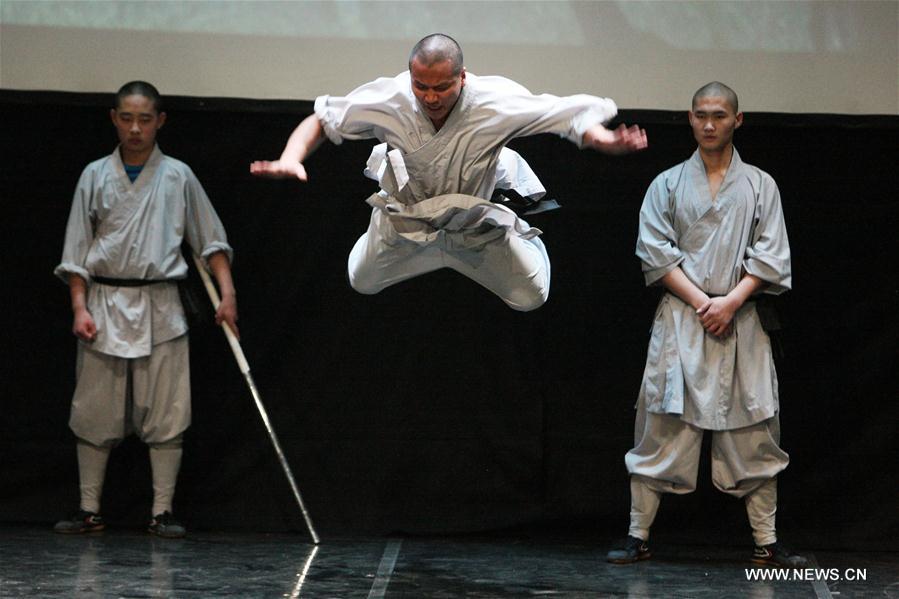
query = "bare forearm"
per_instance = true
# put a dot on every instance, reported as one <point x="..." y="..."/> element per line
<point x="303" y="141"/>
<point x="748" y="285"/>
<point x="593" y="135"/>
<point x="227" y="308"/>
<point x="77" y="292"/>
<point x="83" y="325"/>
<point x="221" y="268"/>
<point x="677" y="283"/>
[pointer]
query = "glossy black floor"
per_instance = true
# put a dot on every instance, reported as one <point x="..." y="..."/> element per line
<point x="34" y="562"/>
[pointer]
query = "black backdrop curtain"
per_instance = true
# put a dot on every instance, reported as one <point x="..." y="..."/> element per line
<point x="431" y="407"/>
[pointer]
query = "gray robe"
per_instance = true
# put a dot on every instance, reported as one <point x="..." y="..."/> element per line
<point x="124" y="230"/>
<point x="717" y="384"/>
<point x="425" y="175"/>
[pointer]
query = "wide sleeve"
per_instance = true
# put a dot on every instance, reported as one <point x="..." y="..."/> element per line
<point x="768" y="255"/>
<point x="531" y="114"/>
<point x="657" y="239"/>
<point x="364" y="113"/>
<point x="80" y="230"/>
<point x="204" y="230"/>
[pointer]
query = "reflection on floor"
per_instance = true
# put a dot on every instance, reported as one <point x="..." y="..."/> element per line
<point x="34" y="562"/>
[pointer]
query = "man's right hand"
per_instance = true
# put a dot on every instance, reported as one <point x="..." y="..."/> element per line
<point x="84" y="327"/>
<point x="277" y="169"/>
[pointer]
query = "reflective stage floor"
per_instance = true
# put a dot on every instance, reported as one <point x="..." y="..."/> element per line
<point x="35" y="562"/>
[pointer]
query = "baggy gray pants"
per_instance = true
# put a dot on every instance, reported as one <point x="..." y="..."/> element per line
<point x="115" y="396"/>
<point x="665" y="459"/>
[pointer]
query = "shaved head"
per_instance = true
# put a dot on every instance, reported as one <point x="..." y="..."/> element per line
<point x="139" y="88"/>
<point x="436" y="48"/>
<point x="718" y="90"/>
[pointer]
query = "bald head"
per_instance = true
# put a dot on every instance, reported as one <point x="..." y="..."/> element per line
<point x="139" y="88"/>
<point x="718" y="90"/>
<point x="437" y="48"/>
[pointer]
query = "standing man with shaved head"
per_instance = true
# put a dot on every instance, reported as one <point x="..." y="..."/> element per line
<point x="442" y="154"/>
<point x="122" y="262"/>
<point x="712" y="234"/>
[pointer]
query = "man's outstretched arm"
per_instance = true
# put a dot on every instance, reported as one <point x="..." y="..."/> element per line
<point x="302" y="142"/>
<point x="622" y="140"/>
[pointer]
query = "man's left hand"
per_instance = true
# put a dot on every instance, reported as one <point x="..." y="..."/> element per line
<point x="227" y="312"/>
<point x="622" y="140"/>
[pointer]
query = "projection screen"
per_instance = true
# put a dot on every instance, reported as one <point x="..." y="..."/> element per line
<point x="802" y="56"/>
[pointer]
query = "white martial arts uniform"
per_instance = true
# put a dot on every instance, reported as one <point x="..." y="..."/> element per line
<point x="695" y="381"/>
<point x="123" y="230"/>
<point x="433" y="210"/>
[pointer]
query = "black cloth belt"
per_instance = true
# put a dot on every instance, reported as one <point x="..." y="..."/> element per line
<point x="193" y="308"/>
<point x="522" y="206"/>
<point x="130" y="282"/>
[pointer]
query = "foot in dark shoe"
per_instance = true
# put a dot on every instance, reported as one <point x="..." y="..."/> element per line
<point x="632" y="550"/>
<point x="165" y="525"/>
<point x="776" y="554"/>
<point x="80" y="522"/>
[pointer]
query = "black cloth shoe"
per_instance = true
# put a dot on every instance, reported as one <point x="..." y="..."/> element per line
<point x="776" y="554"/>
<point x="165" y="525"/>
<point x="632" y="550"/>
<point x="80" y="522"/>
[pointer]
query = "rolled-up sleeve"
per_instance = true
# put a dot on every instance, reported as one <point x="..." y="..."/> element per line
<point x="657" y="240"/>
<point x="79" y="231"/>
<point x="768" y="255"/>
<point x="531" y="114"/>
<point x="204" y="230"/>
<point x="364" y="113"/>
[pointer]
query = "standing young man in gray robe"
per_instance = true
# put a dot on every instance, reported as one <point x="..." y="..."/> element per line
<point x="712" y="233"/>
<point x="122" y="260"/>
<point x="443" y="133"/>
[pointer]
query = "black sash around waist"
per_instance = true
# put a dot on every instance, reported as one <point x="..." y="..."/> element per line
<point x="130" y="282"/>
<point x="195" y="310"/>
<point x="520" y="205"/>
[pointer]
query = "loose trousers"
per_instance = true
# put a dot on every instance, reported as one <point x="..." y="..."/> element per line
<point x="515" y="269"/>
<point x="665" y="459"/>
<point x="115" y="396"/>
